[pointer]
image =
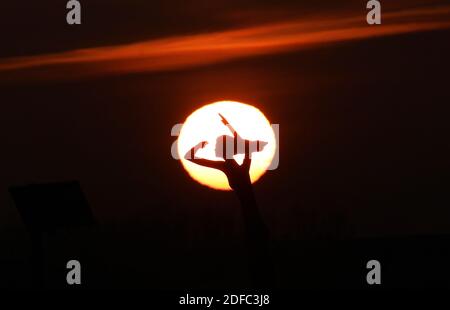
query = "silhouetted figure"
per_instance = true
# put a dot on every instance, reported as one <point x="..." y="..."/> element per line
<point x="257" y="234"/>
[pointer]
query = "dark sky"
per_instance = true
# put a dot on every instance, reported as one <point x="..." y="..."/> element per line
<point x="363" y="123"/>
<point x="39" y="26"/>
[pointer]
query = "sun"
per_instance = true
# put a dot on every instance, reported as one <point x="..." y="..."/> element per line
<point x="205" y="124"/>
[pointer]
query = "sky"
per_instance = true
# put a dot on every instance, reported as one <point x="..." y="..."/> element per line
<point x="240" y="40"/>
<point x="362" y="112"/>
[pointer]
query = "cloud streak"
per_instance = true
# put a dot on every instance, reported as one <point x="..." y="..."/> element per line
<point x="202" y="49"/>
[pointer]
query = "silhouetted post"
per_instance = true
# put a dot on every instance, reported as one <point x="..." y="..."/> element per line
<point x="37" y="259"/>
<point x="257" y="239"/>
<point x="256" y="232"/>
<point x="46" y="208"/>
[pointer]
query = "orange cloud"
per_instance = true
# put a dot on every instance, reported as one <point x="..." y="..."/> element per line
<point x="201" y="49"/>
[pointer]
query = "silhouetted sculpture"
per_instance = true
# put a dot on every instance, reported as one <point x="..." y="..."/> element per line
<point x="257" y="235"/>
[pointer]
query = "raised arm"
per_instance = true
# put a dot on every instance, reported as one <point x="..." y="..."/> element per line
<point x="230" y="128"/>
<point x="190" y="155"/>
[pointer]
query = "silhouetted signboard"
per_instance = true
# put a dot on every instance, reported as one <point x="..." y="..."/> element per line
<point x="47" y="207"/>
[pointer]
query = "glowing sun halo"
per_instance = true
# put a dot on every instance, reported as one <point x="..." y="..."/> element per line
<point x="205" y="124"/>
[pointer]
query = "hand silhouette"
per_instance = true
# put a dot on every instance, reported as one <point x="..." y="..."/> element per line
<point x="238" y="175"/>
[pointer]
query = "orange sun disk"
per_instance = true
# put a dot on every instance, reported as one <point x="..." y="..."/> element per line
<point x="205" y="124"/>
